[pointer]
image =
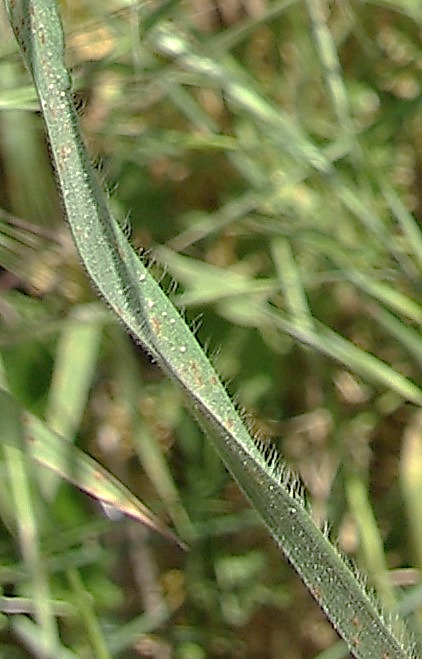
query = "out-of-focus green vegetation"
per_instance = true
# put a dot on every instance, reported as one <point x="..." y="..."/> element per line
<point x="281" y="161"/>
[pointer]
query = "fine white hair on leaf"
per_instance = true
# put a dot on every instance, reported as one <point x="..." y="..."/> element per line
<point x="126" y="226"/>
<point x="196" y="323"/>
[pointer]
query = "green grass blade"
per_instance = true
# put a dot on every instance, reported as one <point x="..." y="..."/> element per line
<point x="87" y="615"/>
<point x="206" y="283"/>
<point x="240" y="90"/>
<point x="407" y="222"/>
<point x="80" y="469"/>
<point x="371" y="540"/>
<point x="328" y="55"/>
<point x="19" y="475"/>
<point x="409" y="337"/>
<point x="61" y="457"/>
<point x="291" y="283"/>
<point x="147" y="447"/>
<point x="131" y="291"/>
<point x="411" y="481"/>
<point x="388" y="295"/>
<point x="74" y="366"/>
<point x="337" y="347"/>
<point x="236" y="33"/>
<point x="32" y="638"/>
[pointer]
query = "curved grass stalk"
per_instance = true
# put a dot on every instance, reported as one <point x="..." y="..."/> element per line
<point x="127" y="286"/>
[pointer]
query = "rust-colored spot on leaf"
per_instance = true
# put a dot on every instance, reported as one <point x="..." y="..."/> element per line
<point x="196" y="372"/>
<point x="356" y="622"/>
<point x="156" y="325"/>
<point x="229" y="424"/>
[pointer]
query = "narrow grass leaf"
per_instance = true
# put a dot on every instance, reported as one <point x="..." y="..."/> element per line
<point x="291" y="283"/>
<point x="64" y="459"/>
<point x="240" y="30"/>
<point x="388" y="295"/>
<point x="211" y="284"/>
<point x="328" y="55"/>
<point x="86" y="612"/>
<point x="241" y="91"/>
<point x="411" y="481"/>
<point x="408" y="337"/>
<point x="408" y="223"/>
<point x="20" y="478"/>
<point x="148" y="448"/>
<point x="32" y="638"/>
<point x="337" y="347"/>
<point x="131" y="291"/>
<point x="370" y="538"/>
<point x="72" y="464"/>
<point x="74" y="367"/>
<point x="206" y="283"/>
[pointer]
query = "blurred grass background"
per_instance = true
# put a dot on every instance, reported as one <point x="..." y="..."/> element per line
<point x="279" y="160"/>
